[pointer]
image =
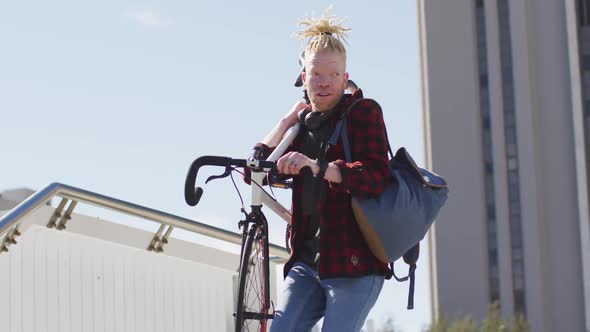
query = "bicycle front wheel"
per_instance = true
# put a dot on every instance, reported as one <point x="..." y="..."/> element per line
<point x="252" y="308"/>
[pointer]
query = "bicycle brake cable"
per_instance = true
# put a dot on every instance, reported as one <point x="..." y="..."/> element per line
<point x="270" y="186"/>
<point x="231" y="175"/>
<point x="235" y="169"/>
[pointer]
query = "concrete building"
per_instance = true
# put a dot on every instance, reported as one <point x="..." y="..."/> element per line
<point x="506" y="88"/>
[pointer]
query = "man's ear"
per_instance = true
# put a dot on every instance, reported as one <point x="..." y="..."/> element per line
<point x="303" y="77"/>
<point x="345" y="80"/>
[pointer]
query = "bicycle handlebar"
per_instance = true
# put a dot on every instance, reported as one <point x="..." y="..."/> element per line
<point x="192" y="195"/>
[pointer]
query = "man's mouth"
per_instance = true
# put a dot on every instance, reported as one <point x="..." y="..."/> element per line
<point x="324" y="94"/>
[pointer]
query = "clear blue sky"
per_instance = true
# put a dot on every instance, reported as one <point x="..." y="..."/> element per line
<point x="118" y="97"/>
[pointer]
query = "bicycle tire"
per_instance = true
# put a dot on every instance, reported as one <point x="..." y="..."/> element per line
<point x="252" y="311"/>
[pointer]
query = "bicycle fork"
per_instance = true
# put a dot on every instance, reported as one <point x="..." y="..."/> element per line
<point x="256" y="227"/>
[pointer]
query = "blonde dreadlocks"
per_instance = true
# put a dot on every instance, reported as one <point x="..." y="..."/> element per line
<point x="324" y="33"/>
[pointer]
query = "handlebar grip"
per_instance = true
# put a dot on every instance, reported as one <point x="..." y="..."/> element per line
<point x="192" y="196"/>
<point x="267" y="164"/>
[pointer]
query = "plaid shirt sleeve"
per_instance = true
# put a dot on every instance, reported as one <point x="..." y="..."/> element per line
<point x="368" y="173"/>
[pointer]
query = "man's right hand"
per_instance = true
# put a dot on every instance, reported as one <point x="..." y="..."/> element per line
<point x="290" y="119"/>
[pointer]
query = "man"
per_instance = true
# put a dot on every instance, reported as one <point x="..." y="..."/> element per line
<point x="332" y="272"/>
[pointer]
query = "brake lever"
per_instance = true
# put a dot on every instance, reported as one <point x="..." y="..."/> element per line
<point x="227" y="172"/>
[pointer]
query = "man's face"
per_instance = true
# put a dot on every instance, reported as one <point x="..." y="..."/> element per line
<point x="325" y="79"/>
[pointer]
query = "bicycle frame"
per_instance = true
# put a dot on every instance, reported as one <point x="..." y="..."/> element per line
<point x="254" y="256"/>
<point x="260" y="196"/>
<point x="259" y="223"/>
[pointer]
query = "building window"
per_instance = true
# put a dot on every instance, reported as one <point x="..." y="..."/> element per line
<point x="487" y="161"/>
<point x="511" y="148"/>
<point x="584" y="12"/>
<point x="584" y="40"/>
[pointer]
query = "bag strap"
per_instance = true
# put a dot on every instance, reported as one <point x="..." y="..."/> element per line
<point x="412" y="276"/>
<point x="340" y="132"/>
<point x="410" y="257"/>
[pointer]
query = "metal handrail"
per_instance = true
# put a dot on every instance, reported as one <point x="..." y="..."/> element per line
<point x="42" y="196"/>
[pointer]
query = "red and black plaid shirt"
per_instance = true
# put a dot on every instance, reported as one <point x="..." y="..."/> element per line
<point x="343" y="250"/>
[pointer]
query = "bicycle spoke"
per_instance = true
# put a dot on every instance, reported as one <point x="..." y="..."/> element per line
<point x="254" y="314"/>
<point x="254" y="295"/>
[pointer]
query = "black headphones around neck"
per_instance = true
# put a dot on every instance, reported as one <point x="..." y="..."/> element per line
<point x="313" y="120"/>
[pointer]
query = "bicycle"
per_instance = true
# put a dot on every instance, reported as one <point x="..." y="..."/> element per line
<point x="253" y="299"/>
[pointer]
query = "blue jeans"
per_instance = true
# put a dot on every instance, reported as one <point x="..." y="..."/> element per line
<point x="343" y="302"/>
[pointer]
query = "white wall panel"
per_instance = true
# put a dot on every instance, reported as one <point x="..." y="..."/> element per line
<point x="5" y="280"/>
<point x="60" y="281"/>
<point x="52" y="287"/>
<point x="27" y="266"/>
<point x="15" y="289"/>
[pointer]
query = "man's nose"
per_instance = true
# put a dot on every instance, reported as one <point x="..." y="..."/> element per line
<point x="325" y="83"/>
